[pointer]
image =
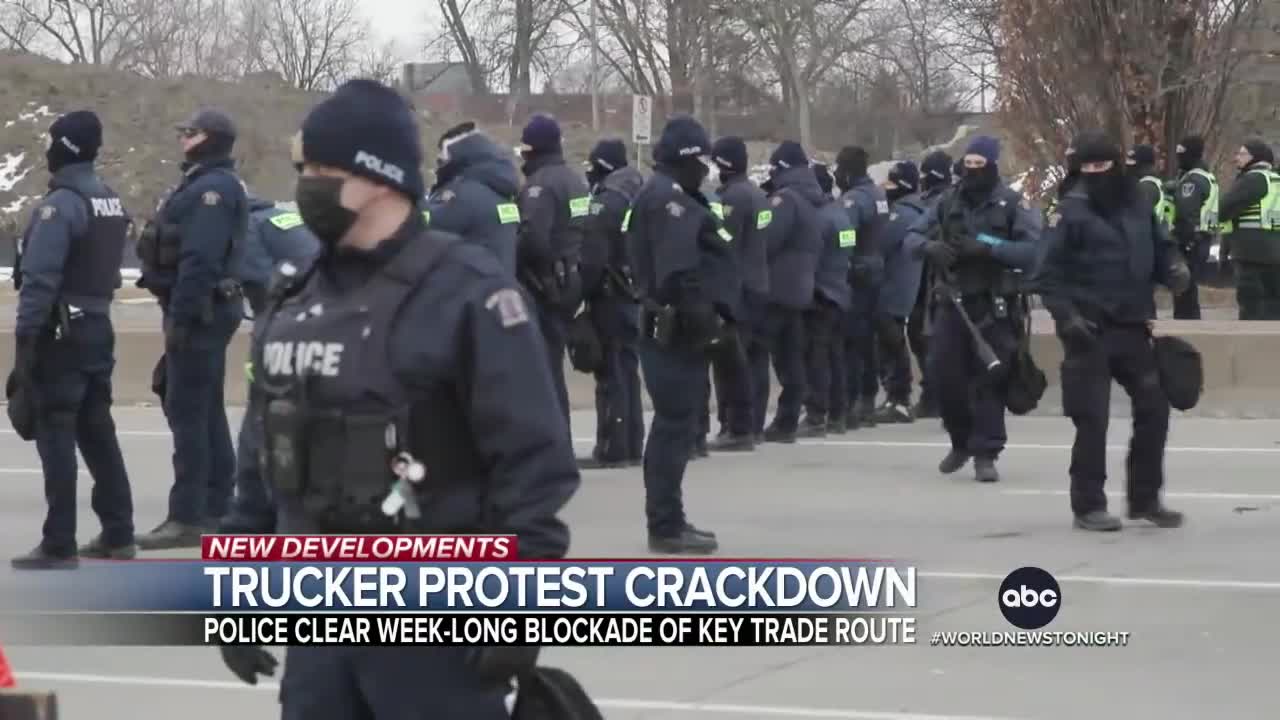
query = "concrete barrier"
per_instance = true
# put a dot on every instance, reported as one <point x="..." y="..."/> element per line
<point x="1241" y="360"/>
<point x="27" y="705"/>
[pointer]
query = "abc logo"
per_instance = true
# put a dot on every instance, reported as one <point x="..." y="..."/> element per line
<point x="1030" y="598"/>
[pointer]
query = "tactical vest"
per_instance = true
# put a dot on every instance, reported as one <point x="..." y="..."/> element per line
<point x="1264" y="214"/>
<point x="832" y="281"/>
<point x="92" y="268"/>
<point x="160" y="243"/>
<point x="865" y="236"/>
<point x="979" y="275"/>
<point x="1164" y="209"/>
<point x="1209" y="210"/>
<point x="335" y="415"/>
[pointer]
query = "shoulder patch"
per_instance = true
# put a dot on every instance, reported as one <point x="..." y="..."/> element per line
<point x="533" y="191"/>
<point x="446" y="196"/>
<point x="763" y="218"/>
<point x="1188" y="189"/>
<point x="509" y="306"/>
<point x="675" y="208"/>
<point x="847" y="202"/>
<point x="47" y="212"/>
<point x="210" y="198"/>
<point x="882" y="207"/>
<point x="893" y="216"/>
<point x="287" y="221"/>
<point x="776" y="200"/>
<point x="508" y="213"/>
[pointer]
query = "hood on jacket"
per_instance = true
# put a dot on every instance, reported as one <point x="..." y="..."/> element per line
<point x="801" y="181"/>
<point x="478" y="158"/>
<point x="626" y="180"/>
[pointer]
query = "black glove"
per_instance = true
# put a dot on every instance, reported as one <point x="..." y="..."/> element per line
<point x="24" y="359"/>
<point x="1224" y="251"/>
<point x="700" y="322"/>
<point x="498" y="665"/>
<point x="1179" y="278"/>
<point x="940" y="254"/>
<point x="175" y="334"/>
<point x="247" y="662"/>
<point x="973" y="247"/>
<point x="1078" y="333"/>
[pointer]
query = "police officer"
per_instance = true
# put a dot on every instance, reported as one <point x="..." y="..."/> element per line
<point x="405" y="348"/>
<point x="475" y="192"/>
<point x="975" y="239"/>
<point x="1141" y="164"/>
<point x="935" y="180"/>
<point x="686" y="274"/>
<point x="903" y="268"/>
<point x="744" y="210"/>
<point x="1252" y="236"/>
<point x="65" y="347"/>
<point x="1102" y="253"/>
<point x="824" y="320"/>
<point x="868" y="210"/>
<point x="189" y="254"/>
<point x="794" y="244"/>
<point x="612" y="309"/>
<point x="554" y="204"/>
<point x="274" y="236"/>
<point x="1195" y="220"/>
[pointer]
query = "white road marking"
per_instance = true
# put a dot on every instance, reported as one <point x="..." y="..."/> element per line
<point x="1198" y="583"/>
<point x="605" y="703"/>
<point x="1190" y="495"/>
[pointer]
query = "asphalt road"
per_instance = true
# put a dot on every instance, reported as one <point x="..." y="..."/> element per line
<point x="1198" y="602"/>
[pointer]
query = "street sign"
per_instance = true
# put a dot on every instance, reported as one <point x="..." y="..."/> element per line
<point x="641" y="119"/>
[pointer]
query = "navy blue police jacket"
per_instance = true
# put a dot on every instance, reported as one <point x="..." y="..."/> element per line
<point x="475" y="197"/>
<point x="604" y="243"/>
<point x="60" y="259"/>
<point x="794" y="237"/>
<point x="868" y="210"/>
<point x="681" y="256"/>
<point x="903" y="266"/>
<point x="209" y="208"/>
<point x="837" y="245"/>
<point x="746" y="214"/>
<point x="1103" y="270"/>
<point x="466" y="338"/>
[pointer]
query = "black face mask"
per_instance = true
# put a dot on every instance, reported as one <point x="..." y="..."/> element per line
<point x="979" y="182"/>
<point x="321" y="211"/>
<point x="690" y="173"/>
<point x="1109" y="192"/>
<point x="896" y="193"/>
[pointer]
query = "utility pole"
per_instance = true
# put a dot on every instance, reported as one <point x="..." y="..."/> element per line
<point x="595" y="72"/>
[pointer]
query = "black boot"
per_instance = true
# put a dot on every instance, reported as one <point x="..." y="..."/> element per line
<point x="775" y="434"/>
<point x="953" y="461"/>
<point x="812" y="427"/>
<point x="1158" y="515"/>
<point x="171" y="534"/>
<point x="595" y="463"/>
<point x="39" y="559"/>
<point x="699" y="449"/>
<point x="926" y="408"/>
<point x="734" y="443"/>
<point x="688" y="541"/>
<point x="892" y="413"/>
<point x="99" y="550"/>
<point x="836" y="425"/>
<point x="865" y="410"/>
<point x="1097" y="521"/>
<point x="985" y="470"/>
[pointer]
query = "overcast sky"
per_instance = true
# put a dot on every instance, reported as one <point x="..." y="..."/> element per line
<point x="404" y="21"/>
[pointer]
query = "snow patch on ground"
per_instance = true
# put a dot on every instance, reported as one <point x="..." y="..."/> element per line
<point x="34" y="115"/>
<point x="15" y="206"/>
<point x="11" y="171"/>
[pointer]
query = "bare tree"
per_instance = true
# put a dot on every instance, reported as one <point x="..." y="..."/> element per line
<point x="311" y="43"/>
<point x="457" y="37"/>
<point x="379" y="62"/>
<point x="100" y="32"/>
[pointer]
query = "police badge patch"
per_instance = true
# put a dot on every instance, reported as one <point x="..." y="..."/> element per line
<point x="47" y="212"/>
<point x="210" y="198"/>
<point x="675" y="208"/>
<point x="775" y="201"/>
<point x="509" y="307"/>
<point x="446" y="196"/>
<point x="534" y="191"/>
<point x="1188" y="189"/>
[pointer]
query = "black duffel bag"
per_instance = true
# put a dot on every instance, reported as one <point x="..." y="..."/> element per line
<point x="552" y="694"/>
<point x="1181" y="371"/>
<point x="586" y="349"/>
<point x="1027" y="382"/>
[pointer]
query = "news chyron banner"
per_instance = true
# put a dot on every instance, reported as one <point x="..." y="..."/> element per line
<point x="459" y="590"/>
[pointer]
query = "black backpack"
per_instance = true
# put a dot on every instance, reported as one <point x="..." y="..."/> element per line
<point x="1181" y="371"/>
<point x="547" y="693"/>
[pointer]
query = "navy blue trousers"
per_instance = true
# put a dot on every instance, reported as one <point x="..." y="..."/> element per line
<point x="675" y="379"/>
<point x="619" y="407"/>
<point x="73" y="391"/>
<point x="203" y="456"/>
<point x="971" y="399"/>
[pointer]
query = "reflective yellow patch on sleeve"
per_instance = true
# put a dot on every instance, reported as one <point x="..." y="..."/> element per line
<point x="718" y="210"/>
<point x="848" y="238"/>
<point x="508" y="213"/>
<point x="287" y="221"/>
<point x="626" y="221"/>
<point x="763" y="218"/>
<point x="579" y="207"/>
<point x="426" y="215"/>
<point x="724" y="235"/>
